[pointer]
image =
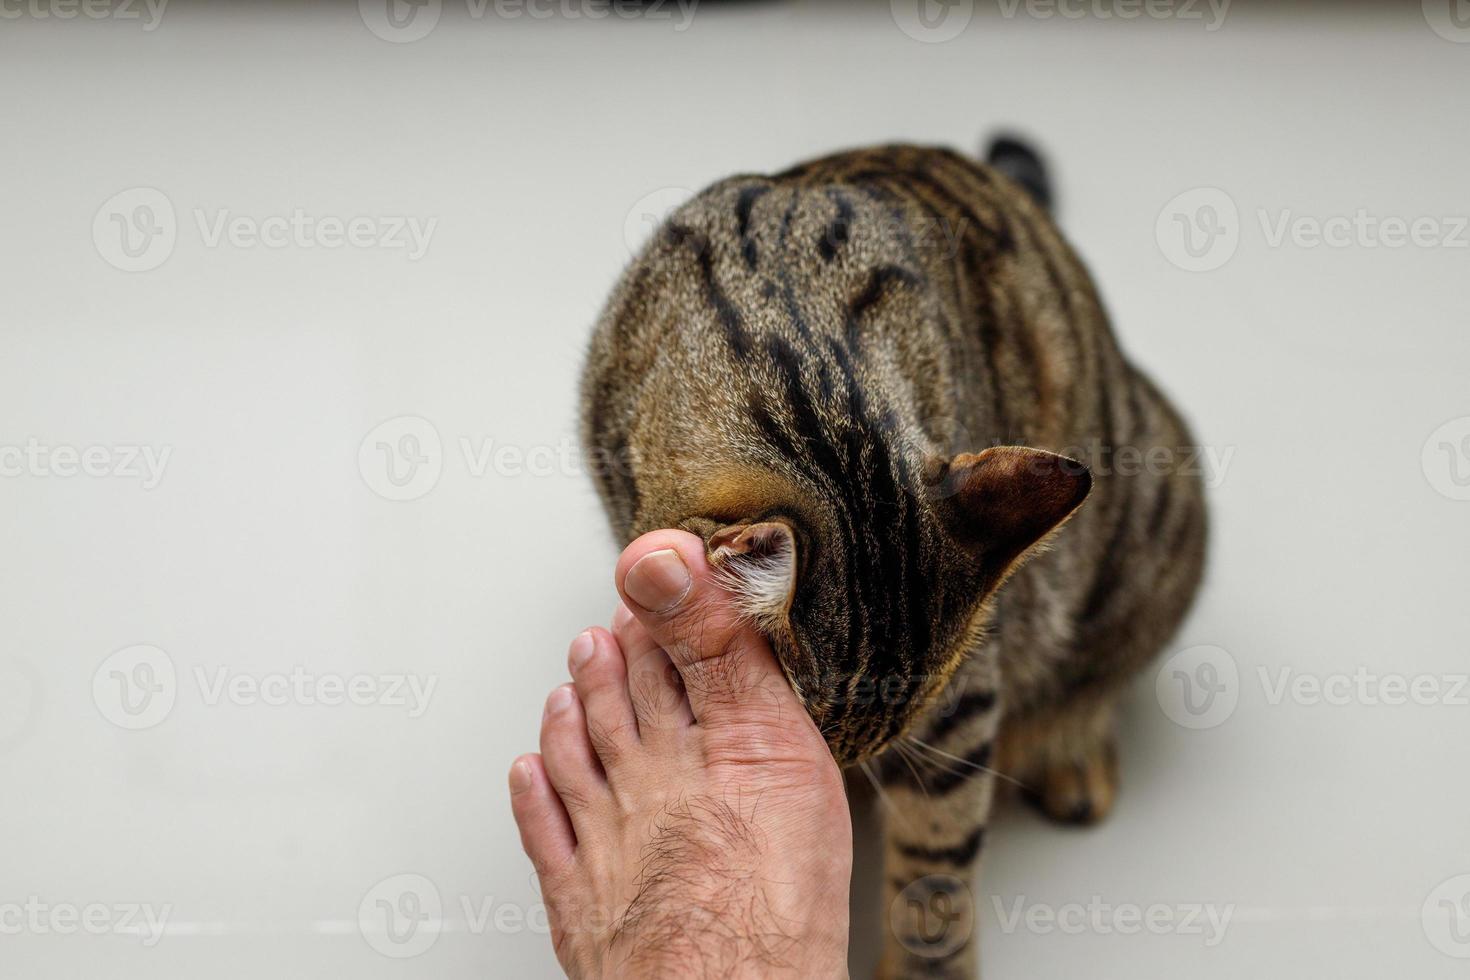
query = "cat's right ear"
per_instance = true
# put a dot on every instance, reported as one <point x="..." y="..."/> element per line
<point x="1002" y="502"/>
<point x="757" y="564"/>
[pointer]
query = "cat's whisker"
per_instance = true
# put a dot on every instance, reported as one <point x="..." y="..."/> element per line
<point x="966" y="762"/>
<point x="904" y="753"/>
<point x="933" y="764"/>
<point x="882" y="796"/>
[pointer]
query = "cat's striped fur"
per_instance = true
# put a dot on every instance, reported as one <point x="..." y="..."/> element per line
<point x="797" y="368"/>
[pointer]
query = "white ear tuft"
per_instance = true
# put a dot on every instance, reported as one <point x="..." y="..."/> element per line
<point x="757" y="565"/>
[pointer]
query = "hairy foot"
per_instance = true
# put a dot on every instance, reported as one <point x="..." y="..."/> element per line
<point x="684" y="815"/>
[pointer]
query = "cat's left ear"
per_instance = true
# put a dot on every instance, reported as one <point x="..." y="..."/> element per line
<point x="757" y="563"/>
<point x="1001" y="502"/>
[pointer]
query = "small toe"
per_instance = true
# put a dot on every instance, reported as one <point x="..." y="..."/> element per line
<point x="546" y="830"/>
<point x="601" y="678"/>
<point x="572" y="766"/>
<point x="654" y="686"/>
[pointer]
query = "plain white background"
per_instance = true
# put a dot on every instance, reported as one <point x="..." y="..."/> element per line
<point x="272" y="834"/>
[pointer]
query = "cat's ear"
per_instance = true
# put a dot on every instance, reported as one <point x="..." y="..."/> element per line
<point x="1002" y="502"/>
<point x="757" y="563"/>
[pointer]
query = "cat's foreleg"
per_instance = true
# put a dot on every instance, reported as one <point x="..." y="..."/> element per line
<point x="938" y="796"/>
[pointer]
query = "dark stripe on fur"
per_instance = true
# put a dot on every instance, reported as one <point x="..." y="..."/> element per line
<point x="949" y="774"/>
<point x="839" y="230"/>
<point x="729" y="316"/>
<point x="743" y="205"/>
<point x="970" y="705"/>
<point x="879" y="281"/>
<point x="959" y="856"/>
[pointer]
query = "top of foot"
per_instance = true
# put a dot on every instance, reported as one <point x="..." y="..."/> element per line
<point x="685" y="816"/>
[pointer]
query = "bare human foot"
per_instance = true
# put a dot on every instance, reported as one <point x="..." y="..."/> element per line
<point x="685" y="816"/>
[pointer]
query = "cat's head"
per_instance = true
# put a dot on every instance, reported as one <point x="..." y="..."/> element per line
<point x="872" y="595"/>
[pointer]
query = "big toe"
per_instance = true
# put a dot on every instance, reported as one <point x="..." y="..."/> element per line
<point x="728" y="668"/>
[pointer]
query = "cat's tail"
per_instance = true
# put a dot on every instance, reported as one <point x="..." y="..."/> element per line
<point x="1021" y="163"/>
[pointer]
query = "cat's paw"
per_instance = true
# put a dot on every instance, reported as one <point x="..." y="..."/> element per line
<point x="1079" y="793"/>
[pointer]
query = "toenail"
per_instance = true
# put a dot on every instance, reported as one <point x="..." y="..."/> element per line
<point x="582" y="649"/>
<point x="560" y="700"/>
<point x="658" y="581"/>
<point x="520" y="777"/>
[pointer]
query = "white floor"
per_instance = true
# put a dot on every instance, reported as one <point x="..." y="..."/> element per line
<point x="259" y="568"/>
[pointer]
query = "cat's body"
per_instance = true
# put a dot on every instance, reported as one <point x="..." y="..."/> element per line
<point x="797" y="368"/>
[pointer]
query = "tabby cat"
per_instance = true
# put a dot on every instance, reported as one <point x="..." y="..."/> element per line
<point x="877" y="385"/>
